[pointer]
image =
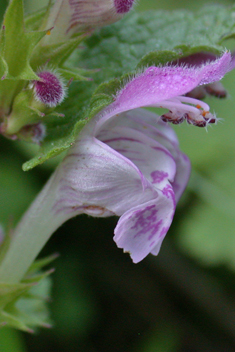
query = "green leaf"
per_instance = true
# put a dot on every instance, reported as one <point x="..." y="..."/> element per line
<point x="10" y="292"/>
<point x="72" y="74"/>
<point x="61" y="131"/>
<point x="121" y="50"/>
<point x="55" y="54"/>
<point x="40" y="263"/>
<point x="38" y="19"/>
<point x="34" y="20"/>
<point x="19" y="44"/>
<point x="24" y="305"/>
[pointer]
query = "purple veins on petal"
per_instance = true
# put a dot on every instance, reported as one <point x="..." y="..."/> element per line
<point x="158" y="176"/>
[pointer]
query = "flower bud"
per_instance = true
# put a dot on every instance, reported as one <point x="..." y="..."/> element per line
<point x="74" y="16"/>
<point x="33" y="133"/>
<point x="50" y="90"/>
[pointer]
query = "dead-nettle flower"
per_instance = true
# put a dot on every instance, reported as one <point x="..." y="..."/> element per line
<point x="74" y="16"/>
<point x="125" y="163"/>
<point x="50" y="89"/>
<point x="130" y="164"/>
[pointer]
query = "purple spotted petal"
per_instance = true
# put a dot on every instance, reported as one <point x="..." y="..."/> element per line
<point x="141" y="229"/>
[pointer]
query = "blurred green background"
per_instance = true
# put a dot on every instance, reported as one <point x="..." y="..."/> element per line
<point x="182" y="300"/>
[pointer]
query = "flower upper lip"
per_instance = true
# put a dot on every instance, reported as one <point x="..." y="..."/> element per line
<point x="164" y="87"/>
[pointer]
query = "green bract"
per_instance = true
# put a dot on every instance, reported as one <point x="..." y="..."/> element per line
<point x="21" y="56"/>
<point x="24" y="305"/>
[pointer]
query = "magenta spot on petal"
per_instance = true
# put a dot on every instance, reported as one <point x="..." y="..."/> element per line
<point x="169" y="193"/>
<point x="145" y="221"/>
<point x="123" y="6"/>
<point x="50" y="90"/>
<point x="158" y="176"/>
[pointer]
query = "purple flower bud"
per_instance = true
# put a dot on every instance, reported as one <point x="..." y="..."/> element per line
<point x="123" y="6"/>
<point x="50" y="90"/>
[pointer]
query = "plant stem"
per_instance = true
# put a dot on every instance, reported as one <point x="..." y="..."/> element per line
<point x="30" y="235"/>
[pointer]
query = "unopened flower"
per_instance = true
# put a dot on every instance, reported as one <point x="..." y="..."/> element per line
<point x="50" y="89"/>
<point x="74" y="16"/>
<point x="33" y="133"/>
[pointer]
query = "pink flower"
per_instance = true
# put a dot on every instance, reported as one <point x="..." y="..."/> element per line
<point x="127" y="162"/>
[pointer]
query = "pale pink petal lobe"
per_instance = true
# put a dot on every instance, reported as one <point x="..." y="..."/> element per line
<point x="143" y="227"/>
